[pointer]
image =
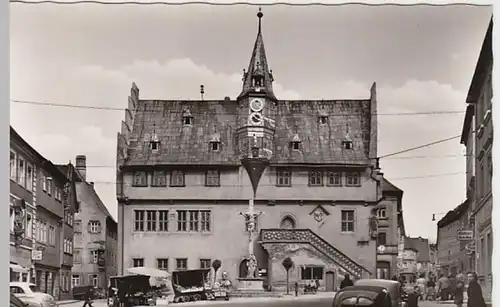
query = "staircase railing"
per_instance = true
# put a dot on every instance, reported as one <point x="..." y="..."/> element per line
<point x="309" y="237"/>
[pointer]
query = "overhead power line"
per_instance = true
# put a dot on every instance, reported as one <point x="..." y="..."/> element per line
<point x="90" y="107"/>
<point x="241" y="3"/>
<point x="421" y="146"/>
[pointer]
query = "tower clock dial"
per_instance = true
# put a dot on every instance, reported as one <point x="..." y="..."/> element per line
<point x="256" y="105"/>
<point x="255" y="119"/>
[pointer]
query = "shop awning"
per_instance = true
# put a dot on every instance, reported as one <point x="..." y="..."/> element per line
<point x="18" y="269"/>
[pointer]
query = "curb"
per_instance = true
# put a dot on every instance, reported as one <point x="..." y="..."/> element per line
<point x="61" y="303"/>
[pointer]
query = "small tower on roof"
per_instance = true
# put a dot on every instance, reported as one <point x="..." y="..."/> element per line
<point x="258" y="78"/>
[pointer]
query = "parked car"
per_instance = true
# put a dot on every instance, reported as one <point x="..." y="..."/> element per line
<point x="366" y="296"/>
<point x="29" y="294"/>
<point x="15" y="302"/>
<point x="392" y="287"/>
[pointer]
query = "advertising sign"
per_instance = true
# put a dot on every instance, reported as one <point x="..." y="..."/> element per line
<point x="36" y="255"/>
<point x="465" y="235"/>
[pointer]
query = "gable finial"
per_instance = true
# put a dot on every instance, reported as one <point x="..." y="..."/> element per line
<point x="259" y="15"/>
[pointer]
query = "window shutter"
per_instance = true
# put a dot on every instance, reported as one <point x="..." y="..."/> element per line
<point x="88" y="226"/>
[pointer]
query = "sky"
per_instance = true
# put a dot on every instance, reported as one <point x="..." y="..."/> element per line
<point x="422" y="59"/>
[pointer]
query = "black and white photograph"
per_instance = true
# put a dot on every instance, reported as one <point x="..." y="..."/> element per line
<point x="250" y="154"/>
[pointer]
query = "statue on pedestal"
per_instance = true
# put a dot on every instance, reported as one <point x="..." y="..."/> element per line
<point x="251" y="266"/>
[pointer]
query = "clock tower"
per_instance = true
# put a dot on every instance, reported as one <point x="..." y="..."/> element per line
<point x="257" y="105"/>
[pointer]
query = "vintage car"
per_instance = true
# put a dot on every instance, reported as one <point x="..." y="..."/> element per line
<point x="28" y="293"/>
<point x="366" y="296"/>
<point x="392" y="287"/>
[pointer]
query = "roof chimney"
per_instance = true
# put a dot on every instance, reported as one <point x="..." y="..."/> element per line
<point x="227" y="98"/>
<point x="81" y="166"/>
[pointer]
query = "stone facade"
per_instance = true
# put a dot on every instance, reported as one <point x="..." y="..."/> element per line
<point x="182" y="188"/>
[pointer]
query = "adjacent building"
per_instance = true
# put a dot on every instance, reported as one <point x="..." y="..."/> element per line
<point x="390" y="230"/>
<point x="95" y="249"/>
<point x="453" y="257"/>
<point x="180" y="182"/>
<point x="479" y="140"/>
<point x="42" y="208"/>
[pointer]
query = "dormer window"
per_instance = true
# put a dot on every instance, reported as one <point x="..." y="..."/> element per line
<point x="215" y="142"/>
<point x="154" y="142"/>
<point x="347" y="142"/>
<point x="295" y="143"/>
<point x="322" y="119"/>
<point x="187" y="118"/>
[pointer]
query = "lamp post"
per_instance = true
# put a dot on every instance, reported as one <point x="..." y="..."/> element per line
<point x="254" y="164"/>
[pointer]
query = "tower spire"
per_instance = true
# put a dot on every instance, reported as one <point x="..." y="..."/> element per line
<point x="258" y="78"/>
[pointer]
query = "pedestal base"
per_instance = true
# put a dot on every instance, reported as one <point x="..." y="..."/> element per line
<point x="251" y="284"/>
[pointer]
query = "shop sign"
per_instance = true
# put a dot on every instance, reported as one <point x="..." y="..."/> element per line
<point x="465" y="235"/>
<point x="36" y="255"/>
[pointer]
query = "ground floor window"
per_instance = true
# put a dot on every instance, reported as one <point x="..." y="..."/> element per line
<point x="94" y="280"/>
<point x="312" y="272"/>
<point x="75" y="281"/>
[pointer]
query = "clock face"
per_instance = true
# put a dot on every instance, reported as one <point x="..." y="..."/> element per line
<point x="256" y="118"/>
<point x="256" y="105"/>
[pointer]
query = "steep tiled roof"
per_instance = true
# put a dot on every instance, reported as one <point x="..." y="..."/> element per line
<point x="95" y="196"/>
<point x="421" y="245"/>
<point x="181" y="144"/>
<point x="387" y="186"/>
<point x="455" y="214"/>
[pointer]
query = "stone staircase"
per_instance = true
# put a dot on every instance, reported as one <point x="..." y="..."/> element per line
<point x="307" y="236"/>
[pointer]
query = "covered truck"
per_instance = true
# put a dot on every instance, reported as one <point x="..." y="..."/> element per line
<point x="190" y="285"/>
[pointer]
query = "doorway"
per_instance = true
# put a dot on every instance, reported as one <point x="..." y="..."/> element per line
<point x="330" y="281"/>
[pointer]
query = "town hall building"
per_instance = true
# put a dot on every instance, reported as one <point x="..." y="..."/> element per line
<point x="184" y="194"/>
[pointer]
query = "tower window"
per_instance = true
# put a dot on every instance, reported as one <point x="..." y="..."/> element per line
<point x="322" y="120"/>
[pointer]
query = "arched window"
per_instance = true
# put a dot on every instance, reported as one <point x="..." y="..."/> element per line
<point x="287" y="222"/>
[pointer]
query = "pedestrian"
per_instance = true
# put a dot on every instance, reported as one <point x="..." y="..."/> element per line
<point x="474" y="293"/>
<point x="442" y="286"/>
<point x="89" y="297"/>
<point x="421" y="283"/>
<point x="459" y="293"/>
<point x="430" y="292"/>
<point x="453" y="286"/>
<point x="347" y="282"/>
<point x="412" y="298"/>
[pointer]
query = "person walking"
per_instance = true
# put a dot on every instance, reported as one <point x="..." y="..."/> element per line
<point x="474" y="293"/>
<point x="89" y="296"/>
<point x="421" y="283"/>
<point x="347" y="282"/>
<point x="442" y="286"/>
<point x="459" y="293"/>
<point x="453" y="286"/>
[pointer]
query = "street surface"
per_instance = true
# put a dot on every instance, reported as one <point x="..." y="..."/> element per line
<point x="319" y="301"/>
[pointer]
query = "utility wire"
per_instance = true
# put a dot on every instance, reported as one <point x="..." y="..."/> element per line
<point x="243" y="3"/>
<point x="155" y="110"/>
<point x="421" y="146"/>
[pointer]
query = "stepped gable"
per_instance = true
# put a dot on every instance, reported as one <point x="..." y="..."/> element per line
<point x="181" y="144"/>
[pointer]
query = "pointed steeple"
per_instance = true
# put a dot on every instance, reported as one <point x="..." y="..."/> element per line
<point x="258" y="78"/>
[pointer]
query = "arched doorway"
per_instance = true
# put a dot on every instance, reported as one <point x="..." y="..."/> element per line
<point x="287" y="222"/>
<point x="242" y="270"/>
